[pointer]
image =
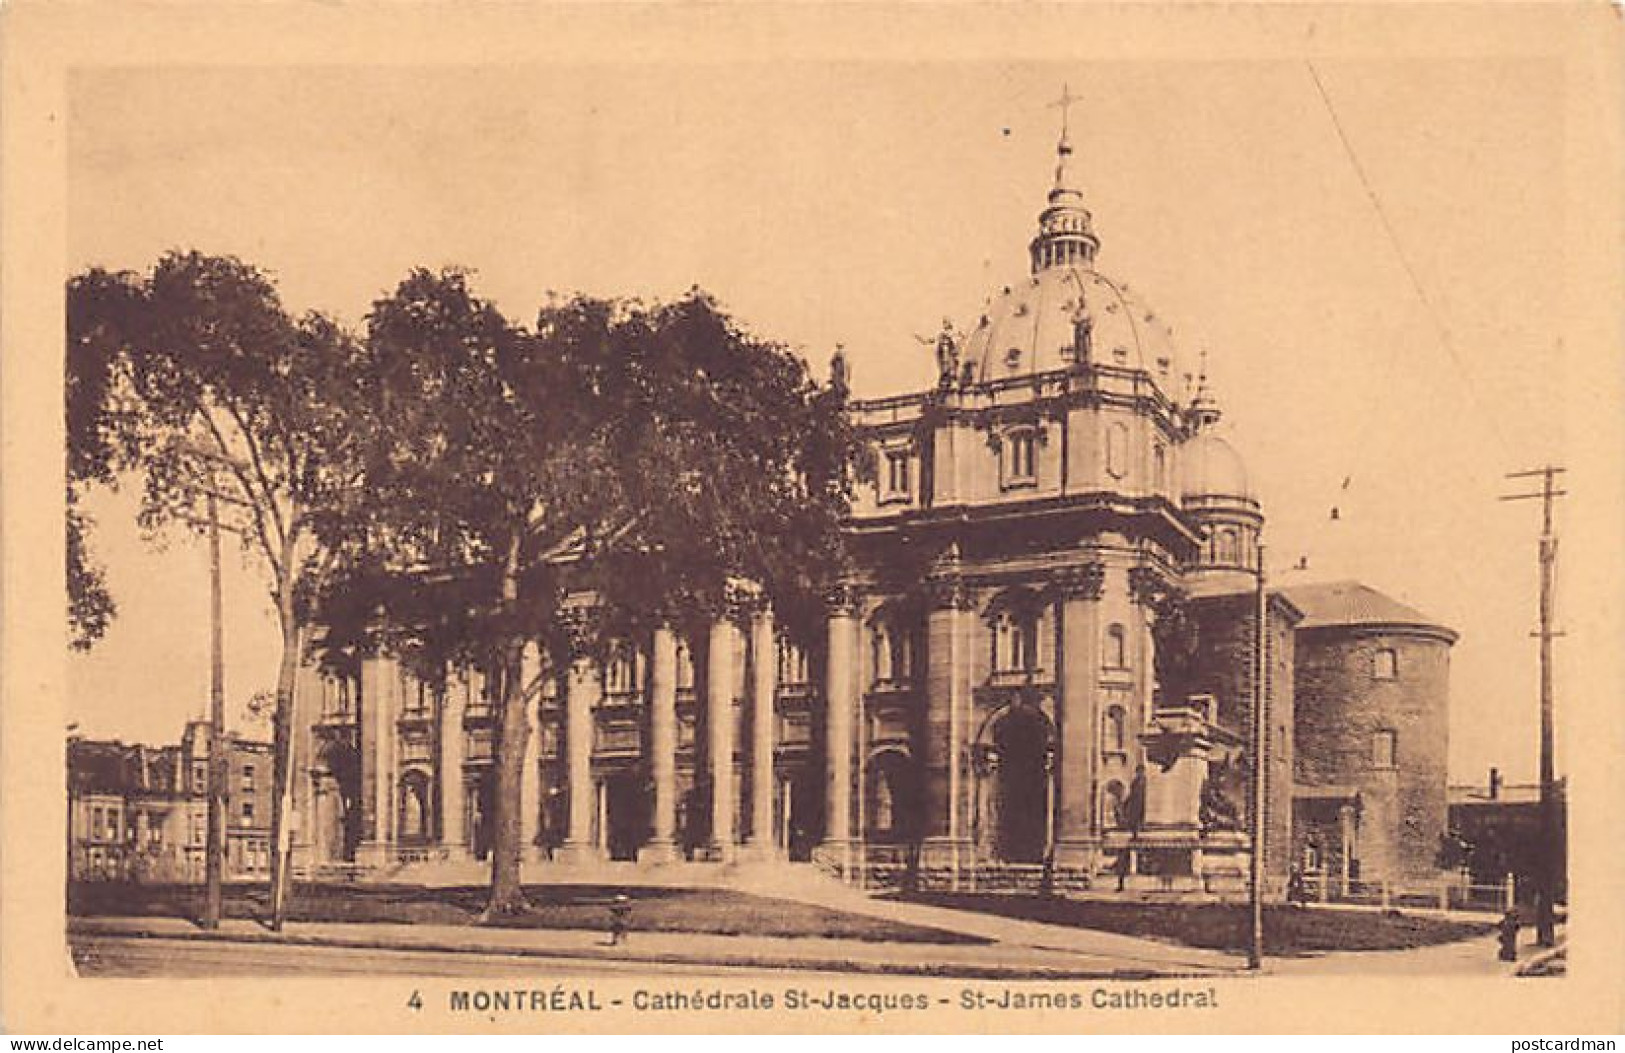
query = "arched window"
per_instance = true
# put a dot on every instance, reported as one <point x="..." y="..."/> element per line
<point x="1385" y="664"/>
<point x="1116" y="730"/>
<point x="891" y="655"/>
<point x="1116" y="653"/>
<point x="1015" y="642"/>
<point x="1111" y="806"/>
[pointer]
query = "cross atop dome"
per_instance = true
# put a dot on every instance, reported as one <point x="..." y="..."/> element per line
<point x="1066" y="236"/>
<point x="1064" y="146"/>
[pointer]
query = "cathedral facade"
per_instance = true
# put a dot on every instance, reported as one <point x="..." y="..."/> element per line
<point x="1044" y="671"/>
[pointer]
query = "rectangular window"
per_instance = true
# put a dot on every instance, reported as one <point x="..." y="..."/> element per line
<point x="248" y="778"/>
<point x="898" y="466"/>
<point x="1021" y="456"/>
<point x="248" y="812"/>
<point x="1383" y="749"/>
<point x="200" y="777"/>
<point x="1385" y="664"/>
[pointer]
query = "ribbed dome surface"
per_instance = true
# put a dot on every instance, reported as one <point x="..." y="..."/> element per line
<point x="1211" y="467"/>
<point x="1032" y="327"/>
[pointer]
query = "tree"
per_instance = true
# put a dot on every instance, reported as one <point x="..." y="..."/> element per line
<point x="647" y="455"/>
<point x="214" y="392"/>
<point x="102" y="431"/>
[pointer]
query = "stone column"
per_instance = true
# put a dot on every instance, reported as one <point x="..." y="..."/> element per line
<point x="307" y="708"/>
<point x="453" y="841"/>
<point x="1079" y="713"/>
<point x="662" y="844"/>
<point x="581" y="695"/>
<point x="840" y="706"/>
<point x="720" y="680"/>
<point x="528" y="692"/>
<point x="377" y="759"/>
<point x="762" y="777"/>
<point x="946" y="795"/>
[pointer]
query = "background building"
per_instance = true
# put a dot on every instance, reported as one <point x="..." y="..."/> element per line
<point x="139" y="812"/>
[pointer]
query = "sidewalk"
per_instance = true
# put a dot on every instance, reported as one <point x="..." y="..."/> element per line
<point x="993" y="961"/>
<point x="1474" y="957"/>
<point x="1032" y="936"/>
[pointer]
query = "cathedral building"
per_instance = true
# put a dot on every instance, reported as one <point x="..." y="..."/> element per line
<point x="1044" y="671"/>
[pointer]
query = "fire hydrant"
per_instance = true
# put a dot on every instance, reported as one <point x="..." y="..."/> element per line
<point x="1508" y="927"/>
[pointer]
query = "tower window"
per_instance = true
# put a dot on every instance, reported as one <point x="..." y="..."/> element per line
<point x="1384" y="749"/>
<point x="1385" y="664"/>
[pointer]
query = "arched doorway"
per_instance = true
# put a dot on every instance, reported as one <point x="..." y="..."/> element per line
<point x="1021" y="797"/>
<point x="338" y="801"/>
<point x="627" y="808"/>
<point x="412" y="819"/>
<point x="891" y="798"/>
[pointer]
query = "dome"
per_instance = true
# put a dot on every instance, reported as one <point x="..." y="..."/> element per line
<point x="1036" y="325"/>
<point x="1211" y="467"/>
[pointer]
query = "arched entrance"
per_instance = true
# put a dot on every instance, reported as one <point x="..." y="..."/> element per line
<point x="337" y="804"/>
<point x="1020" y="790"/>
<point x="627" y="809"/>
<point x="412" y="819"/>
<point x="891" y="798"/>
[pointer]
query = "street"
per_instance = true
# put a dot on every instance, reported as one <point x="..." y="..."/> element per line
<point x="103" y="955"/>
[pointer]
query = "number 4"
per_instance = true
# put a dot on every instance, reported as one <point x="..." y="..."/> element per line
<point x="415" y="1002"/>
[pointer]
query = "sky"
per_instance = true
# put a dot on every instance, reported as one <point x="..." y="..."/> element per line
<point x="1373" y="273"/>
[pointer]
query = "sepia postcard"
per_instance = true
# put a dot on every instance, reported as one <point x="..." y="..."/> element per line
<point x="811" y="518"/>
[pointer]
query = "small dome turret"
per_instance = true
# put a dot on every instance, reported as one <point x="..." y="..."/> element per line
<point x="1215" y="490"/>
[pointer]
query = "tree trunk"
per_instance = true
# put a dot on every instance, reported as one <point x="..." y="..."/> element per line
<point x="513" y="733"/>
<point x="282" y="765"/>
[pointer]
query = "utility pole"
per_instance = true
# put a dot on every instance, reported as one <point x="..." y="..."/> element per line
<point x="1549" y="876"/>
<point x="1260" y="730"/>
<point x="215" y="853"/>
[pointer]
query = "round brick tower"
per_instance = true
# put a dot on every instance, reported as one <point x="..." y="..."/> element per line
<point x="1372" y="733"/>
